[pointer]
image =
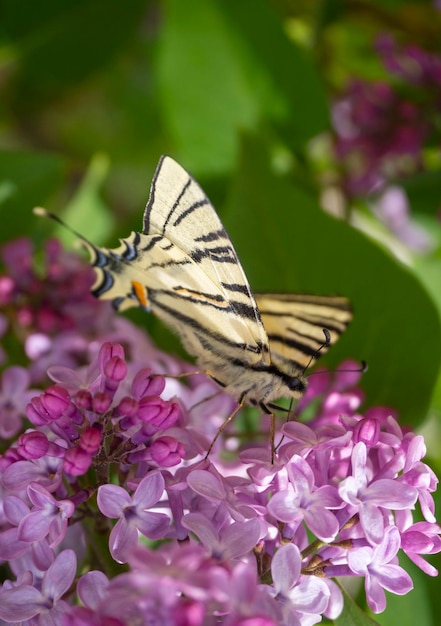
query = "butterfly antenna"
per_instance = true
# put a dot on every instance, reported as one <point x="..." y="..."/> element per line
<point x="38" y="210"/>
<point x="324" y="345"/>
<point x="362" y="369"/>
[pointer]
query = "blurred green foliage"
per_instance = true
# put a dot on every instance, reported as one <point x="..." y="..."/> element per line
<point x="93" y="91"/>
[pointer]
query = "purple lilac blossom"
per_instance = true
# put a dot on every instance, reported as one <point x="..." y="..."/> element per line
<point x="133" y="514"/>
<point x="392" y="207"/>
<point x="381" y="131"/>
<point x="106" y="468"/>
<point x="24" y="600"/>
<point x="379" y="136"/>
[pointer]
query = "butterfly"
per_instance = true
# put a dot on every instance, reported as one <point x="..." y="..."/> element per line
<point x="183" y="268"/>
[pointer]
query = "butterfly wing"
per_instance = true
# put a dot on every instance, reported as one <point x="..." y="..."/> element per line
<point x="294" y="325"/>
<point x="184" y="268"/>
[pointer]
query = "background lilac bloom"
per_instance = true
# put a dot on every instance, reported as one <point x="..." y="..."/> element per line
<point x="14" y="396"/>
<point x="25" y="601"/>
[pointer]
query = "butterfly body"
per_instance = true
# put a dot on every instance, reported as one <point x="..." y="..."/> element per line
<point x="183" y="268"/>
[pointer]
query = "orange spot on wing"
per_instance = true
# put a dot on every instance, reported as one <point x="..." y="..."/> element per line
<point x="140" y="292"/>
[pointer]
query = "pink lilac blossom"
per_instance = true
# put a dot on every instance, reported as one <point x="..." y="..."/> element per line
<point x="108" y="471"/>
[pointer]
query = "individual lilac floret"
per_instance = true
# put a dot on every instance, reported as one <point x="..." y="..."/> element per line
<point x="369" y="497"/>
<point x="379" y="568"/>
<point x="421" y="538"/>
<point x="25" y="601"/>
<point x="48" y="517"/>
<point x="133" y="514"/>
<point x="303" y="500"/>
<point x="228" y="542"/>
<point x="299" y="596"/>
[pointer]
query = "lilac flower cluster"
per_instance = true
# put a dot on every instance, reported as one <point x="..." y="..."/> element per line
<point x="111" y="514"/>
<point x="379" y="136"/>
<point x="380" y="127"/>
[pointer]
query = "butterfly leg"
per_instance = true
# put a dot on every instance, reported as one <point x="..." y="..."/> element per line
<point x="268" y="411"/>
<point x="185" y="374"/>
<point x="213" y="395"/>
<point x="222" y="427"/>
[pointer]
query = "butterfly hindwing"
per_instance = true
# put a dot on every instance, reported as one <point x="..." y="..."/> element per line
<point x="294" y="324"/>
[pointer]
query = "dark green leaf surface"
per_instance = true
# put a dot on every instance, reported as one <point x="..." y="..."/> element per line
<point x="220" y="71"/>
<point x="27" y="180"/>
<point x="352" y="615"/>
<point x="65" y="42"/>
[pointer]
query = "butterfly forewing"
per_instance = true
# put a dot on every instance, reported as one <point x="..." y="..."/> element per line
<point x="184" y="268"/>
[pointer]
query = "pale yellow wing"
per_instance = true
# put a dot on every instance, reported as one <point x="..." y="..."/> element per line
<point x="294" y="326"/>
<point x="184" y="268"/>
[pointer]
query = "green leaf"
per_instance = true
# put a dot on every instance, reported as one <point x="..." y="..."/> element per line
<point x="86" y="212"/>
<point x="27" y="179"/>
<point x="205" y="93"/>
<point x="424" y="192"/>
<point x="352" y="614"/>
<point x="428" y="269"/>
<point x="287" y="243"/>
<point x="61" y="43"/>
<point x="226" y="66"/>
<point x="295" y="76"/>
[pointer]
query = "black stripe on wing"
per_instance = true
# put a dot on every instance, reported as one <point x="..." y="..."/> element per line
<point x="176" y="203"/>
<point x="237" y="288"/>
<point x="202" y="331"/>
<point x="214" y="235"/>
<point x="295" y="344"/>
<point x="190" y="209"/>
<point x="220" y="254"/>
<point x="241" y="309"/>
<point x="152" y="198"/>
<point x="331" y="324"/>
<point x="106" y="283"/>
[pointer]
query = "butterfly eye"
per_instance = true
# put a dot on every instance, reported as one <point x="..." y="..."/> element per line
<point x="296" y="384"/>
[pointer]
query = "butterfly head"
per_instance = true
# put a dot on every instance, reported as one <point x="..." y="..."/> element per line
<point x="296" y="385"/>
<point x="274" y="383"/>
